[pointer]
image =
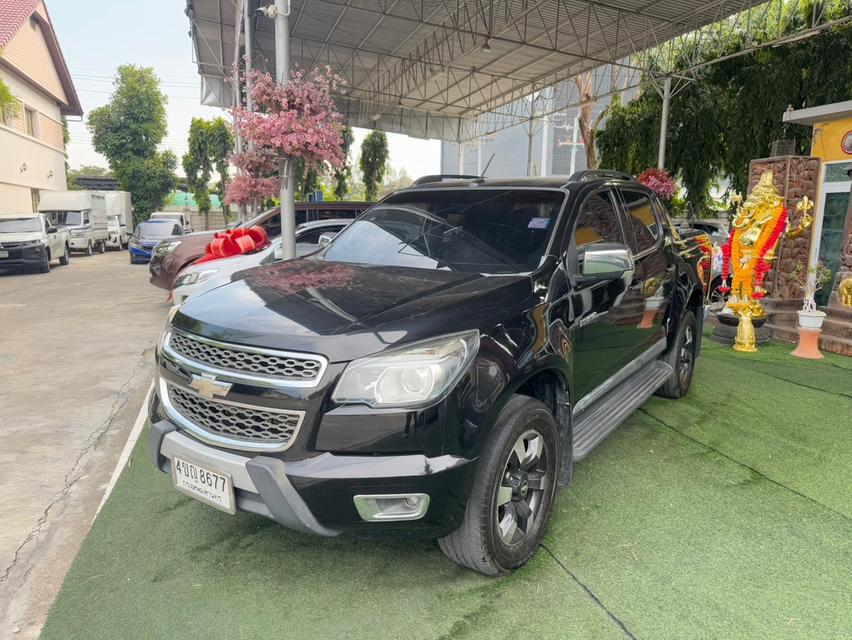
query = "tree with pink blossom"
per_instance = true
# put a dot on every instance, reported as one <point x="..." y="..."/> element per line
<point x="295" y="120"/>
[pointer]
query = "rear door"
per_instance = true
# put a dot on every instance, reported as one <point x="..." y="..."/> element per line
<point x="654" y="276"/>
<point x="605" y="333"/>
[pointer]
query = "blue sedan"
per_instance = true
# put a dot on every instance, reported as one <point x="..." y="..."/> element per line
<point x="148" y="235"/>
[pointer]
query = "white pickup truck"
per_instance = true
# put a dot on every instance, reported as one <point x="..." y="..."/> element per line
<point x="30" y="240"/>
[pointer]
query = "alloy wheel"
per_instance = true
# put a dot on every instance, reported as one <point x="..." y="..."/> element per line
<point x="524" y="482"/>
<point x="687" y="354"/>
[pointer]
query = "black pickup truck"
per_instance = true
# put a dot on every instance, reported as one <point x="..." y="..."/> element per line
<point x="437" y="369"/>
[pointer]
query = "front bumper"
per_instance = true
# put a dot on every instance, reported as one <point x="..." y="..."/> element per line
<point x="315" y="495"/>
<point x="31" y="256"/>
<point x="140" y="253"/>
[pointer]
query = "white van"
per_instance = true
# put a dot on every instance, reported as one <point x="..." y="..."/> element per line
<point x="83" y="213"/>
<point x="178" y="216"/>
<point x="119" y="218"/>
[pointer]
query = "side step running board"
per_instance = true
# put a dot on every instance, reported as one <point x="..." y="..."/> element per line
<point x="596" y="422"/>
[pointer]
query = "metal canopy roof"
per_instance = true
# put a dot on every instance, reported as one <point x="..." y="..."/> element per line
<point x="424" y="67"/>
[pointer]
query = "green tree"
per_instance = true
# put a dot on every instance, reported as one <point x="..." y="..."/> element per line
<point x="9" y="105"/>
<point x="149" y="180"/>
<point x="343" y="176"/>
<point x="128" y="129"/>
<point x="732" y="112"/>
<point x="373" y="162"/>
<point x="198" y="165"/>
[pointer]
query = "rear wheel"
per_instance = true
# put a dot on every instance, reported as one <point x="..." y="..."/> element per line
<point x="681" y="357"/>
<point x="65" y="258"/>
<point x="89" y="248"/>
<point x="512" y="495"/>
<point x="102" y="246"/>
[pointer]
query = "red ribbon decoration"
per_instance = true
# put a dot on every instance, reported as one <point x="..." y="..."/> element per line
<point x="234" y="242"/>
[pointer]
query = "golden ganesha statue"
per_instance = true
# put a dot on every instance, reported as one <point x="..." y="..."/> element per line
<point x="757" y="227"/>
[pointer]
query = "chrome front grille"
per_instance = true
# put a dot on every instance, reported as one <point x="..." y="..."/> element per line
<point x="294" y="368"/>
<point x="233" y="424"/>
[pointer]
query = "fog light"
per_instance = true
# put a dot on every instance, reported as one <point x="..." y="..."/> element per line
<point x="397" y="506"/>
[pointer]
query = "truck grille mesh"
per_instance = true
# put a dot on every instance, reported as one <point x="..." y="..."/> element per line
<point x="282" y="367"/>
<point x="236" y="421"/>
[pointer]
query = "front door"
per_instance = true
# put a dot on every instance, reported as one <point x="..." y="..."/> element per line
<point x="605" y="314"/>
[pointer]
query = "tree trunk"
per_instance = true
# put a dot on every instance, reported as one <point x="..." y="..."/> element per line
<point x="584" y="84"/>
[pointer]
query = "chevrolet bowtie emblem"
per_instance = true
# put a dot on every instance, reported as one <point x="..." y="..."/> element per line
<point x="209" y="386"/>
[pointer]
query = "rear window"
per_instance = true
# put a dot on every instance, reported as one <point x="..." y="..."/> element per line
<point x="471" y="230"/>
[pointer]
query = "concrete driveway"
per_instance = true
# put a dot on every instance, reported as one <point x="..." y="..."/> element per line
<point x="76" y="347"/>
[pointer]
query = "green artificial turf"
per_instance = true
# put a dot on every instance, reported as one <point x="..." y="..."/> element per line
<point x="723" y="515"/>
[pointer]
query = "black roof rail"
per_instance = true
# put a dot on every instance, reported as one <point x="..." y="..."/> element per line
<point x="598" y="174"/>
<point x="440" y="177"/>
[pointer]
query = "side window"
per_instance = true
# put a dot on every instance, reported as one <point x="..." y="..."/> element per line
<point x="176" y="230"/>
<point x="640" y="222"/>
<point x="311" y="237"/>
<point x="597" y="222"/>
<point x="85" y="218"/>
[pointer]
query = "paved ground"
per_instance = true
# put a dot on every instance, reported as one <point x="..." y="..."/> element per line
<point x="76" y="364"/>
<point x="724" y="515"/>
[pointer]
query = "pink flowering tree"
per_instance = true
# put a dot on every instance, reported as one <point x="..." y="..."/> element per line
<point x="660" y="182"/>
<point x="297" y="120"/>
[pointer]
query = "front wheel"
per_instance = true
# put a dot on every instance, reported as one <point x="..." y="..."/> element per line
<point x="65" y="258"/>
<point x="513" y="491"/>
<point x="89" y="248"/>
<point x="681" y="357"/>
<point x="45" y="265"/>
<point x="102" y="246"/>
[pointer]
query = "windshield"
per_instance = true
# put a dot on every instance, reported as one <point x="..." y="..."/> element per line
<point x="65" y="218"/>
<point x="19" y="225"/>
<point x="476" y="230"/>
<point x="156" y="230"/>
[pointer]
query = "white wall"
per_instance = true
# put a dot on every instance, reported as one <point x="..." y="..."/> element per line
<point x="27" y="163"/>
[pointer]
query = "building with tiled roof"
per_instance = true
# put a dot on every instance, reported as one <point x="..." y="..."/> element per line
<point x="32" y="149"/>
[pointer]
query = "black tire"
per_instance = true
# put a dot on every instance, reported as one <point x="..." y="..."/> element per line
<point x="132" y="261"/>
<point x="681" y="357"/>
<point x="89" y="248"/>
<point x="65" y="258"/>
<point x="102" y="246"/>
<point x="715" y="296"/>
<point x="45" y="265"/>
<point x="484" y="541"/>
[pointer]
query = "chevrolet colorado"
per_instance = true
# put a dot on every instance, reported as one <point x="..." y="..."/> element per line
<point x="438" y="368"/>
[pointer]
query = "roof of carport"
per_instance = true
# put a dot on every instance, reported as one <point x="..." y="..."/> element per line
<point x="419" y="66"/>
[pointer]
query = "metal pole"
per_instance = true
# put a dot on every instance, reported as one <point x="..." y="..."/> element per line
<point x="247" y="20"/>
<point x="664" y="122"/>
<point x="530" y="134"/>
<point x="285" y="165"/>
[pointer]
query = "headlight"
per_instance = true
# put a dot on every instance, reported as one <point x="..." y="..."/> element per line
<point x="165" y="248"/>
<point x="195" y="277"/>
<point x="32" y="243"/>
<point x="412" y="375"/>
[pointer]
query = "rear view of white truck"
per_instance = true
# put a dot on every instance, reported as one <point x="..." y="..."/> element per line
<point x="119" y="218"/>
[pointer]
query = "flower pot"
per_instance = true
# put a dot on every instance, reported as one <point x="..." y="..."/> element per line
<point x="811" y="319"/>
<point x="808" y="346"/>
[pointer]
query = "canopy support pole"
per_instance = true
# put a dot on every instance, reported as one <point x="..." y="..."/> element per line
<point x="285" y="165"/>
<point x="664" y="122"/>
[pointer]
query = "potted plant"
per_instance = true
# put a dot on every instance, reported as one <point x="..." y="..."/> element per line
<point x="810" y="280"/>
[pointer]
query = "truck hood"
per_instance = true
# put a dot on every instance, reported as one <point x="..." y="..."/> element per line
<point x="26" y="236"/>
<point x="344" y="311"/>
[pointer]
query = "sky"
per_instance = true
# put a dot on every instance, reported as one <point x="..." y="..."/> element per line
<point x="97" y="36"/>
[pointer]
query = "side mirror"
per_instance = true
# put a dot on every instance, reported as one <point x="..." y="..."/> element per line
<point x="605" y="261"/>
<point x="326" y="238"/>
<point x="278" y="253"/>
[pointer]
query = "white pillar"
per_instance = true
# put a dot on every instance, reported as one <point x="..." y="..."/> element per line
<point x="574" y="131"/>
<point x="479" y="157"/>
<point x="247" y="23"/>
<point x="664" y="123"/>
<point x="545" y="148"/>
<point x="461" y="158"/>
<point x="530" y="134"/>
<point x="285" y="165"/>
